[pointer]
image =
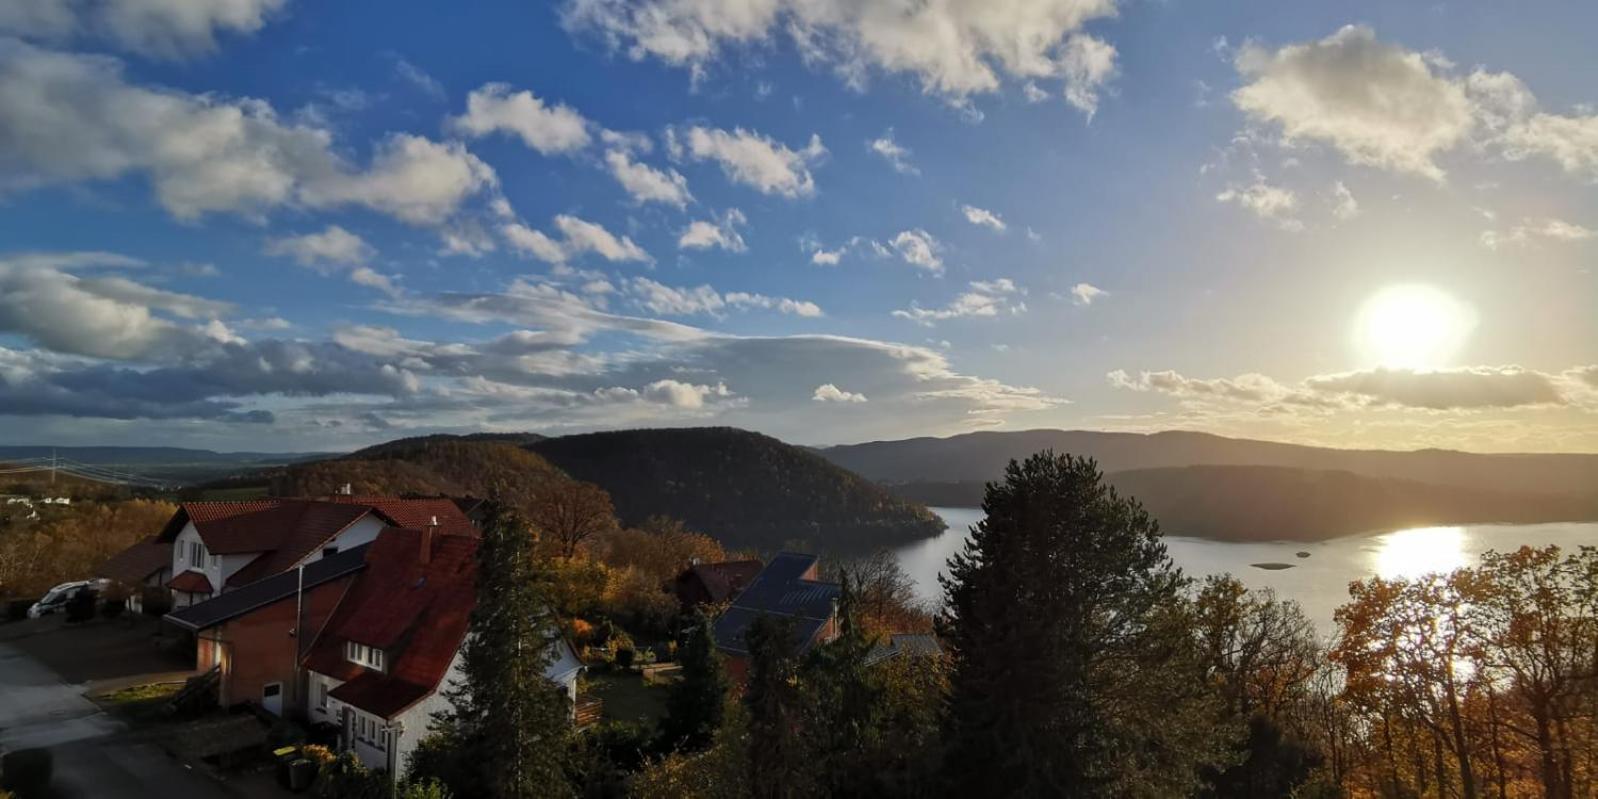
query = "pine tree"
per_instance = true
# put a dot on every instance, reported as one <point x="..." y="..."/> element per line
<point x="697" y="704"/>
<point x="843" y="704"/>
<point x="1070" y="675"/>
<point x="513" y="722"/>
<point x="776" y="762"/>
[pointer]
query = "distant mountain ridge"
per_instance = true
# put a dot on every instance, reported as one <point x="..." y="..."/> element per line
<point x="1276" y="503"/>
<point x="982" y="456"/>
<point x="128" y="456"/>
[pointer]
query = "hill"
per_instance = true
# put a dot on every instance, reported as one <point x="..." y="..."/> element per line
<point x="1272" y="503"/>
<point x="982" y="456"/>
<point x="161" y="464"/>
<point x="744" y="488"/>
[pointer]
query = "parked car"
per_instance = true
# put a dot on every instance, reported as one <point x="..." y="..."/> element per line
<point x="56" y="598"/>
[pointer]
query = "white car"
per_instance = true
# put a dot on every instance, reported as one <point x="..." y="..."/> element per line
<point x="57" y="597"/>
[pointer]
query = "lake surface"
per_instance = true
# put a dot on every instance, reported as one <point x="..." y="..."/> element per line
<point x="1319" y="582"/>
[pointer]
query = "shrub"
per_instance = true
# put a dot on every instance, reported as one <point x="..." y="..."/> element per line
<point x="624" y="657"/>
<point x="26" y="772"/>
<point x="17" y="609"/>
<point x="156" y="601"/>
<point x="81" y="606"/>
<point x="112" y="608"/>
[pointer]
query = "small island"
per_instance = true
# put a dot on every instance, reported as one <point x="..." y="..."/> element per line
<point x="1275" y="567"/>
<point x="1302" y="554"/>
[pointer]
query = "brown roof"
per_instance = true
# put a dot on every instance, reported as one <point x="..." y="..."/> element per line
<point x="724" y="580"/>
<point x="135" y="564"/>
<point x="284" y="531"/>
<point x="191" y="581"/>
<point x="416" y="613"/>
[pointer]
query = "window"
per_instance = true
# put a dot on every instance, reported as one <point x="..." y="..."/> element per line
<point x="321" y="694"/>
<point x="328" y="552"/>
<point x="196" y="553"/>
<point x="216" y="561"/>
<point x="371" y="731"/>
<point x="370" y="657"/>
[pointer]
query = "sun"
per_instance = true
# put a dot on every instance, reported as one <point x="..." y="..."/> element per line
<point x="1411" y="327"/>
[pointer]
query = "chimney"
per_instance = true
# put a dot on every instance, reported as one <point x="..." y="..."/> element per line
<point x="426" y="555"/>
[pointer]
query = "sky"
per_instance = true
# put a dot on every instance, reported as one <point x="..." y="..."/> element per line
<point x="280" y="225"/>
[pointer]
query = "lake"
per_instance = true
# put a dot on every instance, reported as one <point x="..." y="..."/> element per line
<point x="1319" y="582"/>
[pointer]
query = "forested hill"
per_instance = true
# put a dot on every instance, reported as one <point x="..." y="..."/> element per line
<point x="744" y="488"/>
<point x="982" y="456"/>
<point x="1270" y="503"/>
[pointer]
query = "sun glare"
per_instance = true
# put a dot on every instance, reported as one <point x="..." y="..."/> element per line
<point x="1421" y="550"/>
<point x="1412" y="327"/>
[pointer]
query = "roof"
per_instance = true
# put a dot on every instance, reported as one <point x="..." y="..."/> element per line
<point x="416" y="613"/>
<point x="723" y="580"/>
<point x="784" y="588"/>
<point x="192" y="582"/>
<point x="916" y="645"/>
<point x="232" y="604"/>
<point x="135" y="564"/>
<point x="285" y="530"/>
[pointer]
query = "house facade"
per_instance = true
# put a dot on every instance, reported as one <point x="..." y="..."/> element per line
<point x="145" y="566"/>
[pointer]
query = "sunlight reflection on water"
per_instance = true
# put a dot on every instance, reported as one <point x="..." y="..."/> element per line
<point x="1420" y="550"/>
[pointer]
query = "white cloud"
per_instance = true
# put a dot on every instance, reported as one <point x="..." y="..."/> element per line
<point x="989" y="298"/>
<point x="891" y="151"/>
<point x="578" y="237"/>
<point x="1470" y="388"/>
<point x="418" y="77"/>
<point x="721" y="232"/>
<point x="955" y="50"/>
<point x="496" y="108"/>
<point x="1345" y="207"/>
<point x="683" y="395"/>
<point x="827" y="392"/>
<point x="159" y="28"/>
<point x="645" y="183"/>
<point x="1550" y="229"/>
<point x="1375" y="102"/>
<point x="70" y="118"/>
<point x="983" y="217"/>
<point x="1086" y="293"/>
<point x="666" y="300"/>
<point x="333" y="245"/>
<point x="1268" y="202"/>
<point x="919" y="249"/>
<point x="752" y="159"/>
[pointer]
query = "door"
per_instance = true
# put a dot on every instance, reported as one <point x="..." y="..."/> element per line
<point x="272" y="698"/>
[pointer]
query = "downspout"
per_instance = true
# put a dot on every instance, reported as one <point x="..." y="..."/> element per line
<point x="395" y="731"/>
<point x="299" y="648"/>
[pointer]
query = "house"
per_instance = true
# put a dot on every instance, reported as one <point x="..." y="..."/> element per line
<point x="257" y="635"/>
<point x="219" y="546"/>
<point x="381" y="667"/>
<point x="905" y="645"/>
<point x="789" y="587"/>
<point x="368" y="640"/>
<point x="713" y="583"/>
<point x="145" y="566"/>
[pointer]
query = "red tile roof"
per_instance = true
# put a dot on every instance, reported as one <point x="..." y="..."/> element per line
<point x="723" y="580"/>
<point x="416" y="613"/>
<point x="192" y="582"/>
<point x="135" y="564"/>
<point x="286" y="530"/>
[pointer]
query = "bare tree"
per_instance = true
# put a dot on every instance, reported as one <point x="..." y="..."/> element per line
<point x="570" y="513"/>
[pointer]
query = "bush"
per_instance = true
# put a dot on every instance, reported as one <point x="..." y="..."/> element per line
<point x="112" y="608"/>
<point x="156" y="601"/>
<point x="81" y="606"/>
<point x="624" y="658"/>
<point x="26" y="772"/>
<point x="17" y="609"/>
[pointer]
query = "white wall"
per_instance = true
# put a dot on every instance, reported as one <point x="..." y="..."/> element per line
<point x="361" y="532"/>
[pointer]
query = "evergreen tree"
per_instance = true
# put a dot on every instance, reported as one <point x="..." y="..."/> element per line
<point x="843" y="704"/>
<point x="697" y="704"/>
<point x="776" y="760"/>
<point x="512" y="722"/>
<point x="1071" y="674"/>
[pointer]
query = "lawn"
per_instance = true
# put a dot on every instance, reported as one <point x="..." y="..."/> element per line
<point x="627" y="698"/>
<point x="139" y="703"/>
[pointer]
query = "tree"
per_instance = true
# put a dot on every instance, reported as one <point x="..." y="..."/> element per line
<point x="885" y="596"/>
<point x="509" y="719"/>
<point x="567" y="514"/>
<point x="843" y="703"/>
<point x="697" y="704"/>
<point x="776" y="759"/>
<point x="1073" y="674"/>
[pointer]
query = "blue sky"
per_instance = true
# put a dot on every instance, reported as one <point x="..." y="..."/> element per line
<point x="272" y="224"/>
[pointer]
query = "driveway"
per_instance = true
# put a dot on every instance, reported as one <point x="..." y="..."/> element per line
<point x="94" y="757"/>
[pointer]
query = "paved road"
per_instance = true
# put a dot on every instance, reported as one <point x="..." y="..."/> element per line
<point x="93" y="758"/>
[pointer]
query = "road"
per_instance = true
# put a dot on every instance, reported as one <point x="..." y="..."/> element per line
<point x="93" y="756"/>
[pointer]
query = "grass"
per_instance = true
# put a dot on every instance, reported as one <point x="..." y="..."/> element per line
<point x="139" y="702"/>
<point x="627" y="698"/>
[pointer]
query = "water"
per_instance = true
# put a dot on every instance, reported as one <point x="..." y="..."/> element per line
<point x="1319" y="582"/>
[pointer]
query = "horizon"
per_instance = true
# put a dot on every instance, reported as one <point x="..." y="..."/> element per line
<point x="294" y="228"/>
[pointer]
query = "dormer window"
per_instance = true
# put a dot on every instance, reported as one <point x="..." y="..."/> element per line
<point x="197" y="553"/>
<point x="368" y="656"/>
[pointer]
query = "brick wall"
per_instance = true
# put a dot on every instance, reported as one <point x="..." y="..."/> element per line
<point x="259" y="650"/>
